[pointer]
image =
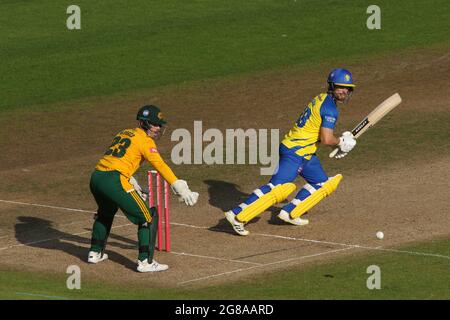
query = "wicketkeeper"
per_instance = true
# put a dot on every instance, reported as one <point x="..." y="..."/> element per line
<point x="298" y="157"/>
<point x="113" y="187"/>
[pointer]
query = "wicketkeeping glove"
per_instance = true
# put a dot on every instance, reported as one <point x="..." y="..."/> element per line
<point x="180" y="187"/>
<point x="138" y="188"/>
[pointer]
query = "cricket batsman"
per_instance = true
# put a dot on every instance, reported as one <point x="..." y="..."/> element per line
<point x="298" y="157"/>
<point x="113" y="187"/>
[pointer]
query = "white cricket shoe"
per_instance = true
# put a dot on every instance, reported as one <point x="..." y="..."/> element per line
<point x="237" y="226"/>
<point x="144" y="266"/>
<point x="96" y="257"/>
<point x="286" y="217"/>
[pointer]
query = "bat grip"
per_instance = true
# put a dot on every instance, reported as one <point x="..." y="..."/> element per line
<point x="334" y="152"/>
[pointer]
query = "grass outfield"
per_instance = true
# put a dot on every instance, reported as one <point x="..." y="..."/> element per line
<point x="154" y="43"/>
<point x="403" y="276"/>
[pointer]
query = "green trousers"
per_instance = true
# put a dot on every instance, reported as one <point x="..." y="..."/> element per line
<point x="110" y="196"/>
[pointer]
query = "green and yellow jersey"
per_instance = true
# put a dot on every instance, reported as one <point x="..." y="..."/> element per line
<point x="305" y="135"/>
<point x="129" y="149"/>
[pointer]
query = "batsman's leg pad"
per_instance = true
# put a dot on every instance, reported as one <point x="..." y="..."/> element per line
<point x="276" y="195"/>
<point x="256" y="194"/>
<point x="305" y="192"/>
<point x="316" y="196"/>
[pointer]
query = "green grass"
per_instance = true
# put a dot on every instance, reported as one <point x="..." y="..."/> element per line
<point x="155" y="43"/>
<point x="403" y="276"/>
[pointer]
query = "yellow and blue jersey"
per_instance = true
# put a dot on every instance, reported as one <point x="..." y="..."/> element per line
<point x="297" y="153"/>
<point x="304" y="136"/>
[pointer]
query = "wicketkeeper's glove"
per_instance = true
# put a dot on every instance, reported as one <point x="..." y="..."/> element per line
<point x="180" y="187"/>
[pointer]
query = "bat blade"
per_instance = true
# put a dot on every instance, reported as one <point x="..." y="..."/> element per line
<point x="376" y="115"/>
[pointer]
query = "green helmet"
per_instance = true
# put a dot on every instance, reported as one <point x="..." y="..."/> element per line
<point x="150" y="115"/>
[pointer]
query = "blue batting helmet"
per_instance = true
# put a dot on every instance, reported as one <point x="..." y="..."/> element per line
<point x="340" y="77"/>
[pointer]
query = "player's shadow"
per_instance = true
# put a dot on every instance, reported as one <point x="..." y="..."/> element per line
<point x="40" y="233"/>
<point x="274" y="214"/>
<point x="225" y="196"/>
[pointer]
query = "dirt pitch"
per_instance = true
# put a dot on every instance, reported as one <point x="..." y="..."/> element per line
<point x="46" y="172"/>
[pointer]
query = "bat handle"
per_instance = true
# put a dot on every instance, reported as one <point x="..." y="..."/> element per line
<point x="334" y="152"/>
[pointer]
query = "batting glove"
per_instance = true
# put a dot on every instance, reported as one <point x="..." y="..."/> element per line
<point x="347" y="142"/>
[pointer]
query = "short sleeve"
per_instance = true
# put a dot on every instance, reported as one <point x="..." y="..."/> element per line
<point x="152" y="155"/>
<point x="150" y="151"/>
<point x="329" y="113"/>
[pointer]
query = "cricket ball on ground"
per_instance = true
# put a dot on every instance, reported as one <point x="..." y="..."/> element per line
<point x="380" y="235"/>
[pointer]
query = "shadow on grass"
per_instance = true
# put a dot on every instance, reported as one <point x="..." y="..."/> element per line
<point x="40" y="233"/>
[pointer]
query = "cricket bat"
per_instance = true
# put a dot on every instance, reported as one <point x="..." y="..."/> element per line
<point x="376" y="115"/>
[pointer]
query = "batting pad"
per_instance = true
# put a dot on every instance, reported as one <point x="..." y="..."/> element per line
<point x="276" y="195"/>
<point x="327" y="189"/>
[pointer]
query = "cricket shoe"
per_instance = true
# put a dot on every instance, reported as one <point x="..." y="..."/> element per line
<point x="286" y="217"/>
<point x="237" y="226"/>
<point x="144" y="266"/>
<point x="96" y="257"/>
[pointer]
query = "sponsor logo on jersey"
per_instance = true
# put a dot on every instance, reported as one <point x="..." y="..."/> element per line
<point x="330" y="119"/>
